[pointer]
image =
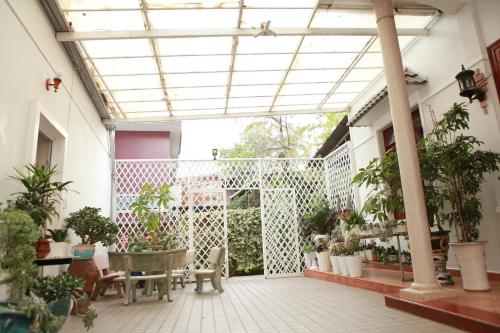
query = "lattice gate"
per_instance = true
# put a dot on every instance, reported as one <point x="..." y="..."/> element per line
<point x="280" y="233"/>
<point x="198" y="215"/>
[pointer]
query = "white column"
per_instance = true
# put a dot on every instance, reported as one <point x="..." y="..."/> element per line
<point x="425" y="285"/>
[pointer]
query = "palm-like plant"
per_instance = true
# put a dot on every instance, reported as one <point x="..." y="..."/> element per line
<point x="41" y="195"/>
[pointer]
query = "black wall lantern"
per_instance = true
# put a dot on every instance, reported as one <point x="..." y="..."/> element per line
<point x="468" y="86"/>
<point x="214" y="153"/>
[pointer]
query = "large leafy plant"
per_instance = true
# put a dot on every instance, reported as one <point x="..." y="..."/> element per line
<point x="149" y="204"/>
<point x="92" y="227"/>
<point x="321" y="219"/>
<point x="52" y="288"/>
<point x="459" y="169"/>
<point x="41" y="194"/>
<point x="17" y="234"/>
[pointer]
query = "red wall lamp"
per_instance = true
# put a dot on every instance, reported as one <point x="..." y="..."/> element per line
<point x="56" y="82"/>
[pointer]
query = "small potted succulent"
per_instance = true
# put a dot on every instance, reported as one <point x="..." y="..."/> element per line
<point x="309" y="254"/>
<point x="59" y="246"/>
<point x="91" y="227"/>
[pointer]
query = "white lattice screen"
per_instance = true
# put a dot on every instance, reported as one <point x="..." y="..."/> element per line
<point x="338" y="173"/>
<point x="198" y="214"/>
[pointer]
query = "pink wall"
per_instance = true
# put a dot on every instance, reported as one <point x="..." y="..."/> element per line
<point x="142" y="145"/>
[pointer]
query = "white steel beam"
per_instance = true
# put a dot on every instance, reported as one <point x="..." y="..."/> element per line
<point x="250" y="32"/>
<point x="234" y="49"/>
<point x="217" y="116"/>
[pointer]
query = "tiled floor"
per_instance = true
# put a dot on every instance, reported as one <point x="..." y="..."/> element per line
<point x="257" y="305"/>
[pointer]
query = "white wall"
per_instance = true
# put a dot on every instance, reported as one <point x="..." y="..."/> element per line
<point x="454" y="40"/>
<point x="30" y="54"/>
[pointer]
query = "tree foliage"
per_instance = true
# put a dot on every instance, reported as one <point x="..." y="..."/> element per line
<point x="92" y="227"/>
<point x="245" y="241"/>
<point x="278" y="137"/>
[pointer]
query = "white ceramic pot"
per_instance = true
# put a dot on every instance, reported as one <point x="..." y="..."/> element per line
<point x="309" y="258"/>
<point x="323" y="261"/>
<point x="344" y="268"/>
<point x="354" y="266"/>
<point x="314" y="262"/>
<point x="361" y="254"/>
<point x="471" y="258"/>
<point x="335" y="264"/>
<point x="369" y="255"/>
<point x="59" y="249"/>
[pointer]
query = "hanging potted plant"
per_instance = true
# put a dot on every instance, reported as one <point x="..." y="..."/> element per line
<point x="461" y="169"/>
<point x="40" y="199"/>
<point x="91" y="227"/>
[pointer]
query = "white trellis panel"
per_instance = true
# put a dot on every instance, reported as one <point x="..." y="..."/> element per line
<point x="199" y="188"/>
<point x="280" y="234"/>
<point x="338" y="175"/>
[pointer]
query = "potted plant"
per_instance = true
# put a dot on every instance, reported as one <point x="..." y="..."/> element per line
<point x="352" y="260"/>
<point x="91" y="227"/>
<point x="336" y="250"/>
<point x="309" y="254"/>
<point x="322" y="255"/>
<point x="40" y="199"/>
<point x="59" y="245"/>
<point x="369" y="251"/>
<point x="353" y="220"/>
<point x="321" y="219"/>
<point x="461" y="168"/>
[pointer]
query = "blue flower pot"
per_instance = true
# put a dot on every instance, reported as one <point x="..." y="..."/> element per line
<point x="83" y="251"/>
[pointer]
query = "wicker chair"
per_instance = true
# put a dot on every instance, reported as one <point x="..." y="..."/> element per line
<point x="216" y="259"/>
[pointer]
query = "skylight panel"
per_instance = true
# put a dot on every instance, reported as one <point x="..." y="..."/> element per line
<point x="197" y="112"/>
<point x="317" y="75"/>
<point x="351" y="87"/>
<point x="132" y="82"/>
<point x="285" y="44"/>
<point x="294" y="107"/>
<point x="324" y="60"/>
<point x="259" y="90"/>
<point x="363" y="74"/>
<point x="195" y="93"/>
<point x="298" y="89"/>
<point x="249" y="101"/>
<point x="341" y="98"/>
<point x="333" y="43"/>
<point x="192" y="4"/>
<point x="194" y="46"/>
<point x="138" y="95"/>
<point x="248" y="109"/>
<point x="100" y="4"/>
<point x="371" y="60"/>
<point x="335" y="106"/>
<point x="299" y="99"/>
<point x="195" y="64"/>
<point x="403" y="42"/>
<point x="106" y="20"/>
<point x="198" y="104"/>
<point x="264" y="77"/>
<point x="121" y="66"/>
<point x="412" y="21"/>
<point x="280" y="18"/>
<point x="340" y="18"/>
<point x="281" y="3"/>
<point x="193" y="18"/>
<point x="147" y="114"/>
<point x="262" y="62"/>
<point x="118" y="48"/>
<point x="128" y="107"/>
<point x="196" y="79"/>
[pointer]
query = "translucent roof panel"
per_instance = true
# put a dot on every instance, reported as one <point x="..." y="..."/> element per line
<point x="192" y="60"/>
<point x="195" y="46"/>
<point x="132" y="82"/>
<point x="196" y="93"/>
<point x="189" y="64"/>
<point x="106" y="20"/>
<point x="118" y="48"/>
<point x="280" y="18"/>
<point x="193" y="18"/>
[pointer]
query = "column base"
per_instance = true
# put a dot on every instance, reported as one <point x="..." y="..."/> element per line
<point x="426" y="294"/>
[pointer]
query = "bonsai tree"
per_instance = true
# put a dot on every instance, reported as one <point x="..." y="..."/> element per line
<point x="460" y="169"/>
<point x="92" y="227"/>
<point x="41" y="195"/>
<point x="321" y="219"/>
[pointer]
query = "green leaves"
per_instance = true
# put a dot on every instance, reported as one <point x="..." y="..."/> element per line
<point x="92" y="227"/>
<point x="52" y="288"/>
<point x="321" y="218"/>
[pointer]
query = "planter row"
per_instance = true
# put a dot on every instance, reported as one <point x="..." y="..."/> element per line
<point x="343" y="265"/>
<point x="399" y="229"/>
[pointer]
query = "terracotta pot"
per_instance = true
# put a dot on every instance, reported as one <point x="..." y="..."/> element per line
<point x="398" y="215"/>
<point x="471" y="258"/>
<point x="42" y="248"/>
